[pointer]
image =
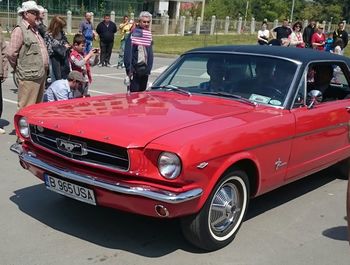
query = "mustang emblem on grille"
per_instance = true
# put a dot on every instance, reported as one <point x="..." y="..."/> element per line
<point x="70" y="147"/>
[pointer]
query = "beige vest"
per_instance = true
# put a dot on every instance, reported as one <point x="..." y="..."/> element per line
<point x="30" y="62"/>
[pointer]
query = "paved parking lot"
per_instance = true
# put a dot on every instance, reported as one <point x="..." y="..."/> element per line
<point x="302" y="223"/>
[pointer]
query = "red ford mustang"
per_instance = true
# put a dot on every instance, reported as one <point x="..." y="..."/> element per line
<point x="221" y="125"/>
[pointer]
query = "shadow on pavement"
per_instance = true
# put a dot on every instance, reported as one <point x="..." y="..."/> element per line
<point x="289" y="192"/>
<point x="337" y="233"/>
<point x="149" y="237"/>
<point x="105" y="227"/>
<point x="4" y="123"/>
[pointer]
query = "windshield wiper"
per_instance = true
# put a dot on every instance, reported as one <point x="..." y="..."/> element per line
<point x="173" y="88"/>
<point x="229" y="95"/>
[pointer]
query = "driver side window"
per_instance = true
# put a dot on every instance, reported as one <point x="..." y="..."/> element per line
<point x="329" y="79"/>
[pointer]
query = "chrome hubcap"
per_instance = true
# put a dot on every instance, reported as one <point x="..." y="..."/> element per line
<point x="226" y="208"/>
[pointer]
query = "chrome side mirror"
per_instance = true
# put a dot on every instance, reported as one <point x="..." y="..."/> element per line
<point x="314" y="97"/>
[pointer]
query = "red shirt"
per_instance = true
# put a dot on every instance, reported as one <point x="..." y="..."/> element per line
<point x="317" y="38"/>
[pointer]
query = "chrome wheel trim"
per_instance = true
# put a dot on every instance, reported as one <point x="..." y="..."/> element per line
<point x="227" y="208"/>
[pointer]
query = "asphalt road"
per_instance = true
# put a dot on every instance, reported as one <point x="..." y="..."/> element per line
<point x="302" y="223"/>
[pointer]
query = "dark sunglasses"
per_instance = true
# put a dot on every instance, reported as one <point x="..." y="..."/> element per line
<point x="35" y="13"/>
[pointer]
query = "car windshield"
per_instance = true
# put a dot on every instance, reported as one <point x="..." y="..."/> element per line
<point x="259" y="79"/>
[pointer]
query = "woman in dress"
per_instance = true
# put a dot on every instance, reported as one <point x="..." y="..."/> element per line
<point x="57" y="47"/>
<point x="296" y="38"/>
<point x="318" y="39"/>
<point x="263" y="34"/>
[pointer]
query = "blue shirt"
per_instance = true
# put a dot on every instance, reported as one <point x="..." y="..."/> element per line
<point x="58" y="90"/>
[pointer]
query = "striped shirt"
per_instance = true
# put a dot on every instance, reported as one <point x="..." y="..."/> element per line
<point x="141" y="37"/>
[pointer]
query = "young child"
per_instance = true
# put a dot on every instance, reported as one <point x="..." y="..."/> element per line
<point x="82" y="62"/>
<point x="329" y="42"/>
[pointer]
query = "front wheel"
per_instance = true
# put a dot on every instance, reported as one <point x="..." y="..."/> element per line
<point x="219" y="220"/>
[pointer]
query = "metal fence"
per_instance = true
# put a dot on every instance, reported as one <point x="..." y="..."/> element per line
<point x="165" y="26"/>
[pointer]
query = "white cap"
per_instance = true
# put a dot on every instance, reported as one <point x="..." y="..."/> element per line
<point x="28" y="5"/>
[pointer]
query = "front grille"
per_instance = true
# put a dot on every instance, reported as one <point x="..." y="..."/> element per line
<point x="94" y="152"/>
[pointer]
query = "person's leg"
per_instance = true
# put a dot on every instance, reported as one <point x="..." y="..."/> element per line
<point x="121" y="54"/>
<point x="143" y="83"/>
<point x="2" y="131"/>
<point x="88" y="46"/>
<point x="30" y="92"/>
<point x="102" y="53"/>
<point x="134" y="84"/>
<point x="1" y="100"/>
<point x="109" y="52"/>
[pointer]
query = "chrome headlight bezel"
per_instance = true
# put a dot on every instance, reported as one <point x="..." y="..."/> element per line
<point x="23" y="127"/>
<point x="169" y="165"/>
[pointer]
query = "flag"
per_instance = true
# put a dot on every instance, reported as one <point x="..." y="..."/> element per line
<point x="141" y="37"/>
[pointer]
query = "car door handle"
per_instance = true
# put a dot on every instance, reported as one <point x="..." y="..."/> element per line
<point x="347" y="109"/>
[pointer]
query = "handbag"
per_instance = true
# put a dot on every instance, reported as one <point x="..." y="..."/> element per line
<point x="59" y="51"/>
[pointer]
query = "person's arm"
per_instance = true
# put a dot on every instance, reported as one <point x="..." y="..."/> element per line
<point x="81" y="27"/>
<point x="128" y="55"/>
<point x="346" y="39"/>
<point x="14" y="46"/>
<point x="98" y="29"/>
<point x="48" y="95"/>
<point x="81" y="62"/>
<point x="273" y="33"/>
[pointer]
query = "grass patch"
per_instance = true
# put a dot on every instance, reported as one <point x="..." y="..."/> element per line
<point x="176" y="45"/>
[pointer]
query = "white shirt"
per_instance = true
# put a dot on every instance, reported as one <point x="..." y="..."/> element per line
<point x="58" y="90"/>
<point x="264" y="33"/>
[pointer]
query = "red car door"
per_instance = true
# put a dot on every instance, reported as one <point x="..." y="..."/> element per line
<point x="321" y="134"/>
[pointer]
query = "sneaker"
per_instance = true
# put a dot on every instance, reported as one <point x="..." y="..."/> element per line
<point x="2" y="131"/>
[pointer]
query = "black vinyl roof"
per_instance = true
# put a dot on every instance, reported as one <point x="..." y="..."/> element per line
<point x="303" y="55"/>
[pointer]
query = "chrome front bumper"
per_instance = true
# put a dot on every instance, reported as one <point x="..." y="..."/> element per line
<point x="147" y="192"/>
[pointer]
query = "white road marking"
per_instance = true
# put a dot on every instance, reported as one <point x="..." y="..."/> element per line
<point x="99" y="92"/>
<point x="113" y="77"/>
<point x="10" y="101"/>
<point x="160" y="69"/>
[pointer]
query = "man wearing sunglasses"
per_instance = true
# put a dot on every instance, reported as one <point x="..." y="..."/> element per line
<point x="28" y="56"/>
<point x="138" y="54"/>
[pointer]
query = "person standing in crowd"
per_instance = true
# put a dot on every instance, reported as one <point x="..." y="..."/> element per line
<point x="281" y="32"/>
<point x="338" y="47"/>
<point x="106" y="30"/>
<point x="41" y="26"/>
<point x="28" y="56"/>
<point x="318" y="39"/>
<point x="138" y="55"/>
<point x="3" y="71"/>
<point x="82" y="62"/>
<point x="308" y="32"/>
<point x="87" y="29"/>
<point x="296" y="38"/>
<point x="263" y="34"/>
<point x="65" y="88"/>
<point x="57" y="47"/>
<point x="329" y="42"/>
<point x="340" y="32"/>
<point x="124" y="30"/>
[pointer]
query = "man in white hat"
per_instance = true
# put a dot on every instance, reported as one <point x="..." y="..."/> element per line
<point x="27" y="54"/>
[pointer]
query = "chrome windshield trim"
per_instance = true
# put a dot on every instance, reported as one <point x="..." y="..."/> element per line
<point x="135" y="190"/>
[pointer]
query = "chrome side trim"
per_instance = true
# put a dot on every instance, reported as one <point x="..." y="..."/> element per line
<point x="147" y="192"/>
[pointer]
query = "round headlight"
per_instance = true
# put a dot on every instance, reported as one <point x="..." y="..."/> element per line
<point x="169" y="165"/>
<point x="23" y="127"/>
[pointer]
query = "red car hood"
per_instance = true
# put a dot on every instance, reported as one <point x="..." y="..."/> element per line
<point x="131" y="120"/>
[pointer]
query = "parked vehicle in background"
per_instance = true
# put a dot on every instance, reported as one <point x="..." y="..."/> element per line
<point x="220" y="126"/>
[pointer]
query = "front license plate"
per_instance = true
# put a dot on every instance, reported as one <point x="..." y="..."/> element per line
<point x="70" y="190"/>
